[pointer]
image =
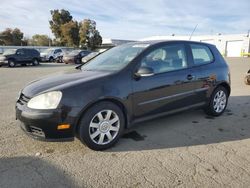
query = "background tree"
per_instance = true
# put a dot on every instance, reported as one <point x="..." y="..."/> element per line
<point x="70" y="33"/>
<point x="89" y="35"/>
<point x="12" y="37"/>
<point x="40" y="40"/>
<point x="1" y="42"/>
<point x="26" y="41"/>
<point x="59" y="18"/>
<point x="17" y="37"/>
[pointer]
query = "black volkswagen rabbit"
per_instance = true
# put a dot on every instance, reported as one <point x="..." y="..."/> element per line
<point x="125" y="85"/>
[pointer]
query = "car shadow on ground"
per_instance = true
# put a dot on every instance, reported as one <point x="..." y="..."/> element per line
<point x="190" y="129"/>
<point x="31" y="172"/>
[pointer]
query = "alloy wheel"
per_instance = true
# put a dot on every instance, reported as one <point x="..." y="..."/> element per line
<point x="220" y="101"/>
<point x="12" y="64"/>
<point x="104" y="127"/>
<point x="35" y="62"/>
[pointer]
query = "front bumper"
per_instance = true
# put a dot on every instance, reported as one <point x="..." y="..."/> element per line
<point x="42" y="124"/>
<point x="3" y="62"/>
<point x="44" y="59"/>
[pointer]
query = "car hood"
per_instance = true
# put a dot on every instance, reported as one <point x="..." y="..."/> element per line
<point x="6" y="55"/>
<point x="43" y="54"/>
<point x="2" y="56"/>
<point x="60" y="81"/>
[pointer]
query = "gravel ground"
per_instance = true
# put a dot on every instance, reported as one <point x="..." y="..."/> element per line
<point x="188" y="149"/>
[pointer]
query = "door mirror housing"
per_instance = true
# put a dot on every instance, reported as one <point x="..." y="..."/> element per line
<point x="84" y="60"/>
<point x="144" y="72"/>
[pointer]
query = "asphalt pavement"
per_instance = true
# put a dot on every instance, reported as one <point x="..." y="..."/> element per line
<point x="189" y="149"/>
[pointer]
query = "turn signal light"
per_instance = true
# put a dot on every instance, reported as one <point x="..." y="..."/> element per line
<point x="63" y="126"/>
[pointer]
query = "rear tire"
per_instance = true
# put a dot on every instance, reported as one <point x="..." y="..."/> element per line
<point x="218" y="102"/>
<point x="11" y="63"/>
<point x="35" y="62"/>
<point x="101" y="126"/>
<point x="247" y="78"/>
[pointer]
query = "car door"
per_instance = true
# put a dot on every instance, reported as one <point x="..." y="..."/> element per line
<point x="172" y="85"/>
<point x="28" y="55"/>
<point x="21" y="56"/>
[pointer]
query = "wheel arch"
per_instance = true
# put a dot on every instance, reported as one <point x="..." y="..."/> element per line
<point x="11" y="59"/>
<point x="226" y="86"/>
<point x="51" y="58"/>
<point x="112" y="100"/>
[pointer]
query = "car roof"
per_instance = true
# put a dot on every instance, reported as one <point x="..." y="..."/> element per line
<point x="26" y="49"/>
<point x="153" y="42"/>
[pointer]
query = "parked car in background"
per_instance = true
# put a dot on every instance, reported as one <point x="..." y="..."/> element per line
<point x="89" y="57"/>
<point x="51" y="54"/>
<point x="127" y="84"/>
<point x="247" y="78"/>
<point x="92" y="55"/>
<point x="75" y="56"/>
<point x="21" y="56"/>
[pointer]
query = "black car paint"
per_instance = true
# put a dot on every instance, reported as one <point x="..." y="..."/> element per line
<point x="140" y="98"/>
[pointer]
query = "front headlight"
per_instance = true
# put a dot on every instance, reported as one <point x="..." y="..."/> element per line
<point x="44" y="101"/>
<point x="3" y="58"/>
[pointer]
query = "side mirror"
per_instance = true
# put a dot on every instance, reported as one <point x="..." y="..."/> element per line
<point x="144" y="72"/>
<point x="18" y="53"/>
<point x="84" y="60"/>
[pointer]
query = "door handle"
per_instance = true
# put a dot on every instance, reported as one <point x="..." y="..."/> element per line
<point x="190" y="77"/>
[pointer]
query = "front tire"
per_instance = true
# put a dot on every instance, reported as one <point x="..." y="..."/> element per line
<point x="218" y="102"/>
<point x="51" y="59"/>
<point x="101" y="126"/>
<point x="12" y="63"/>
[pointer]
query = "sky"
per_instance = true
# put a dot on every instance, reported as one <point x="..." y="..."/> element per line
<point x="132" y="19"/>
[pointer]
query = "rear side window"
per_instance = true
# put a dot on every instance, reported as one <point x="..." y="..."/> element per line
<point x="34" y="52"/>
<point x="201" y="54"/>
<point x="29" y="51"/>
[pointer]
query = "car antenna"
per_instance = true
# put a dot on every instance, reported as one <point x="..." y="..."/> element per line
<point x="193" y="32"/>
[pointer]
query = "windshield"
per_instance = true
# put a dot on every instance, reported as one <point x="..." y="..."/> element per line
<point x="114" y="59"/>
<point x="10" y="51"/>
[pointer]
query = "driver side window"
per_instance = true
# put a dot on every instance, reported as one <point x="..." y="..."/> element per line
<point x="166" y="58"/>
<point x="20" y="52"/>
